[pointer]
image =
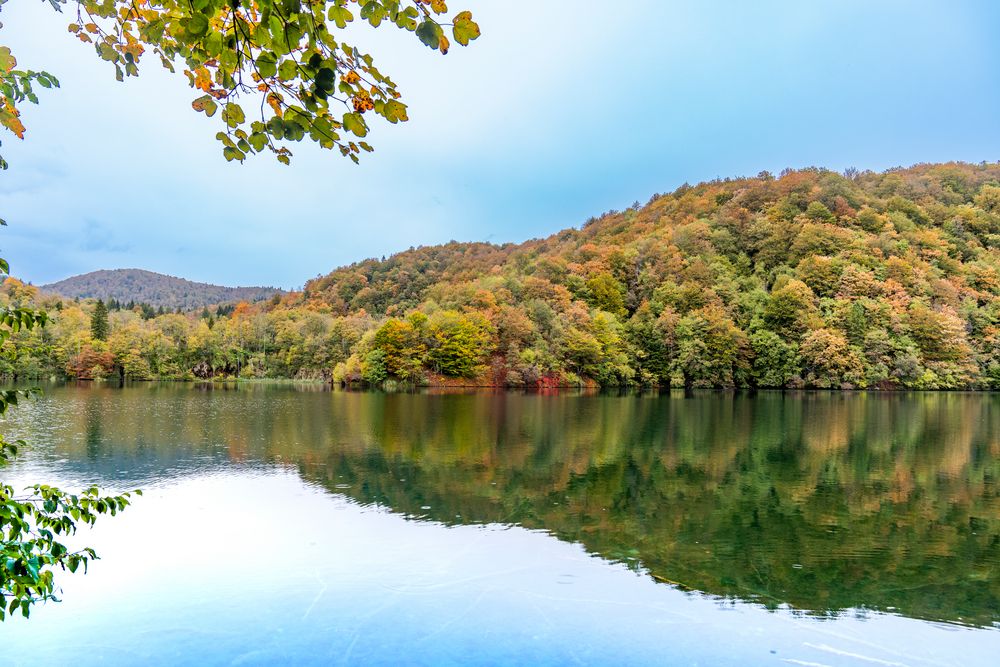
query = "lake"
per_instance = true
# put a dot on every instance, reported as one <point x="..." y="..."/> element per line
<point x="288" y="524"/>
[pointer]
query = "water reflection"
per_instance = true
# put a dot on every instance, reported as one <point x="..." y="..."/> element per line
<point x="823" y="501"/>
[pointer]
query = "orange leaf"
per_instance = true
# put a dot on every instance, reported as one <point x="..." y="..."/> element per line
<point x="274" y="100"/>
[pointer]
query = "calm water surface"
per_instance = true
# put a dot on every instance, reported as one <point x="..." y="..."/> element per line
<point x="289" y="525"/>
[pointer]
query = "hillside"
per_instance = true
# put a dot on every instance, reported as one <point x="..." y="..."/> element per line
<point x="155" y="289"/>
<point x="809" y="279"/>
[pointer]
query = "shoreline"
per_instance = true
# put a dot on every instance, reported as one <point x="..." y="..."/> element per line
<point x="471" y="386"/>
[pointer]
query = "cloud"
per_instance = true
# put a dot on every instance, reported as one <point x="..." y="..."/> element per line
<point x="99" y="238"/>
<point x="554" y="115"/>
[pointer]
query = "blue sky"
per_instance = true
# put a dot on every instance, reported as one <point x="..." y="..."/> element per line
<point x="562" y="110"/>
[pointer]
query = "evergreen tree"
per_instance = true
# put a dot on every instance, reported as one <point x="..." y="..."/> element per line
<point x="99" y="327"/>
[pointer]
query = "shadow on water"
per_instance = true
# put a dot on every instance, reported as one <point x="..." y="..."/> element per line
<point x="823" y="501"/>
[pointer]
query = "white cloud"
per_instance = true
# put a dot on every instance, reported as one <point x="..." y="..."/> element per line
<point x="561" y="110"/>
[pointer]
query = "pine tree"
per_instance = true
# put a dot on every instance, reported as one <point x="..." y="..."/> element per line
<point x="99" y="328"/>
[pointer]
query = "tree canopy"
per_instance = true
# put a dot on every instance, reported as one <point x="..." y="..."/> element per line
<point x="275" y="72"/>
<point x="35" y="520"/>
<point x="742" y="282"/>
<point x="99" y="329"/>
<point x="304" y="80"/>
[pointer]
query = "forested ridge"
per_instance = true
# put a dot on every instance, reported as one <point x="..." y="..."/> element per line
<point x="154" y="289"/>
<point x="809" y="279"/>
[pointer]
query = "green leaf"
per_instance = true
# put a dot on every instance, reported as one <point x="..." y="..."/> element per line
<point x="276" y="127"/>
<point x="197" y="25"/>
<point x="232" y="114"/>
<point x="340" y="15"/>
<point x="430" y="33"/>
<point x="326" y="76"/>
<point x="465" y="29"/>
<point x="267" y="65"/>
<point x="287" y="70"/>
<point x="107" y="52"/>
<point x="232" y="153"/>
<point x="213" y="44"/>
<point x="258" y="140"/>
<point x="395" y="111"/>
<point x="356" y="124"/>
<point x="373" y="12"/>
<point x="205" y="103"/>
<point x="294" y="131"/>
<point x="407" y="19"/>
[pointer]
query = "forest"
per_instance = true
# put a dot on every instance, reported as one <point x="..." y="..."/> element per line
<point x="154" y="289"/>
<point x="809" y="279"/>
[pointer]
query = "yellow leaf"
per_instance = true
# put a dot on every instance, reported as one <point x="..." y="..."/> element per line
<point x="7" y="60"/>
<point x="203" y="79"/>
<point x="274" y="101"/>
<point x="13" y="123"/>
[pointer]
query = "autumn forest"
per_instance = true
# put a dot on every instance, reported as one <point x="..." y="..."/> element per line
<point x="806" y="279"/>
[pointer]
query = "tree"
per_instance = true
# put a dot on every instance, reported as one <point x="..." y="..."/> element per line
<point x="459" y="343"/>
<point x="712" y="350"/>
<point x="829" y="361"/>
<point x="791" y="310"/>
<point x="608" y="294"/>
<point x="897" y="308"/>
<point x="33" y="521"/>
<point x="99" y="328"/>
<point x="775" y="362"/>
<point x="654" y="344"/>
<point x="287" y="59"/>
<point x="402" y="347"/>
<point x="284" y="54"/>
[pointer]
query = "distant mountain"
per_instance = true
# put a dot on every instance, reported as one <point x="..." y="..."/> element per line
<point x="156" y="289"/>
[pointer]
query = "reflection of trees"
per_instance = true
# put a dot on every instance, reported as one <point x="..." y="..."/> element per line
<point x="823" y="501"/>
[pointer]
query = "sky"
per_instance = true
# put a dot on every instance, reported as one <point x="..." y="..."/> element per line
<point x="563" y="109"/>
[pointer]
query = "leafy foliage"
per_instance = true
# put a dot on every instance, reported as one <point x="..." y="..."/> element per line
<point x="280" y="52"/>
<point x="16" y="87"/>
<point x="289" y="59"/>
<point x="33" y="523"/>
<point x="732" y="283"/>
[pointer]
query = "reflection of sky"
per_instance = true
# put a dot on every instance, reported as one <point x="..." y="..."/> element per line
<point x="562" y="110"/>
<point x="247" y="568"/>
<point x="232" y="558"/>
